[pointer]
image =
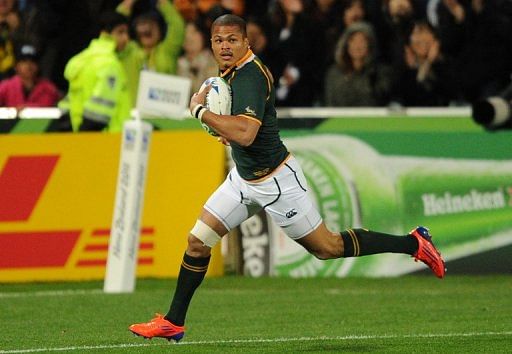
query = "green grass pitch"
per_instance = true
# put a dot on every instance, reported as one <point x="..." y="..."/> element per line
<point x="411" y="314"/>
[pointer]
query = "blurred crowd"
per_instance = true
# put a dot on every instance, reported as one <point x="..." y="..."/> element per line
<point x="336" y="53"/>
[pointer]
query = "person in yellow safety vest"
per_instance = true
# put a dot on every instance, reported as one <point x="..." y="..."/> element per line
<point x="156" y="47"/>
<point x="98" y="98"/>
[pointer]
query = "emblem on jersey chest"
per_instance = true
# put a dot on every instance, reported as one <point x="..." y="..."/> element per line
<point x="250" y="111"/>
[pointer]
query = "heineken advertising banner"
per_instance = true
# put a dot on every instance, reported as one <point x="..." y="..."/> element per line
<point x="457" y="182"/>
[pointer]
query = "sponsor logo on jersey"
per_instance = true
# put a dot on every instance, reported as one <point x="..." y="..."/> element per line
<point x="262" y="173"/>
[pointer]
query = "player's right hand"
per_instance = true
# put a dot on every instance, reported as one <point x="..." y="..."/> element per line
<point x="199" y="98"/>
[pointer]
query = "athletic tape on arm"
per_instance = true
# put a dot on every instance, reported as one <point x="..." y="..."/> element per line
<point x="205" y="233"/>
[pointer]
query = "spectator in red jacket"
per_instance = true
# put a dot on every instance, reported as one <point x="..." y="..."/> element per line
<point x="27" y="88"/>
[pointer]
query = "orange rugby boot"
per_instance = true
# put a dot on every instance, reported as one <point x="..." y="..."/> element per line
<point x="158" y="327"/>
<point x="427" y="252"/>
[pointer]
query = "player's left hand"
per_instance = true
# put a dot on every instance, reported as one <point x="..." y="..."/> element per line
<point x="199" y="98"/>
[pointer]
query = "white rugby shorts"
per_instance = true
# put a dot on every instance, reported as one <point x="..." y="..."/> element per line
<point x="283" y="195"/>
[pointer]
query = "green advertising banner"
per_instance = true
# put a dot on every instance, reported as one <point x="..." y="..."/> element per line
<point x="394" y="174"/>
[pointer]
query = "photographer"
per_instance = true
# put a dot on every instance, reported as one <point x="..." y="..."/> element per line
<point x="494" y="113"/>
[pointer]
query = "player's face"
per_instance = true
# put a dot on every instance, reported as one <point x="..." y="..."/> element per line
<point x="228" y="45"/>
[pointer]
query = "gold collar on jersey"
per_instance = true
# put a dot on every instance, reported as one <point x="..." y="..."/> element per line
<point x="244" y="60"/>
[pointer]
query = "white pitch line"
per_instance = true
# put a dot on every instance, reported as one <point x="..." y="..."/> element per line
<point x="85" y="347"/>
<point x="51" y="293"/>
<point x="263" y="340"/>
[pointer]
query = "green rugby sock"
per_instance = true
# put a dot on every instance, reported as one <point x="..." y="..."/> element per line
<point x="192" y="272"/>
<point x="362" y="242"/>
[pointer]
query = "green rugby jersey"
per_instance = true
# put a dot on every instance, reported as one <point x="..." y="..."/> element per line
<point x="253" y="97"/>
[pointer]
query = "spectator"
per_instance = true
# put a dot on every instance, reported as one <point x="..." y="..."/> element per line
<point x="324" y="13"/>
<point x="62" y="28"/>
<point x="194" y="10"/>
<point x="326" y="16"/>
<point x="356" y="79"/>
<point x="425" y="78"/>
<point x="27" y="88"/>
<point x="393" y="29"/>
<point x="293" y="32"/>
<point x="98" y="97"/>
<point x="260" y="43"/>
<point x="236" y="7"/>
<point x="477" y="34"/>
<point x="39" y="26"/>
<point x="449" y="18"/>
<point x="157" y="48"/>
<point x="197" y="61"/>
<point x="9" y="23"/>
<point x="188" y="9"/>
<point x="256" y="8"/>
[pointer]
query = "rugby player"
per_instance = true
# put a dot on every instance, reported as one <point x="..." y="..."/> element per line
<point x="265" y="176"/>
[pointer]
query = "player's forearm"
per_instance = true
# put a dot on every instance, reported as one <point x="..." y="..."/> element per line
<point x="233" y="128"/>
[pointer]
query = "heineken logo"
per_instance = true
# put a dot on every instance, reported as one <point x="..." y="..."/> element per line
<point x="473" y="200"/>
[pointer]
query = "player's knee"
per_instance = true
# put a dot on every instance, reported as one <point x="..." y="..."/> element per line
<point x="202" y="239"/>
<point x="196" y="247"/>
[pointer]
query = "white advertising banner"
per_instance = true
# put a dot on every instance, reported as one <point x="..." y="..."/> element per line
<point x="163" y="96"/>
<point x="129" y="200"/>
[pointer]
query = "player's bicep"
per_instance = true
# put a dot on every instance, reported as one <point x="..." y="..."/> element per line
<point x="253" y="124"/>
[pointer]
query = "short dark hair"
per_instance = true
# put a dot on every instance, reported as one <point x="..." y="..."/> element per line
<point x="111" y="19"/>
<point x="231" y="20"/>
<point x="154" y="17"/>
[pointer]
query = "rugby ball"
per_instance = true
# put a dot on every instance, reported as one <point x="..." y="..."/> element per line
<point x="218" y="99"/>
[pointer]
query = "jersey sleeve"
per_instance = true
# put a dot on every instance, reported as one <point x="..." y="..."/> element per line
<point x="250" y="93"/>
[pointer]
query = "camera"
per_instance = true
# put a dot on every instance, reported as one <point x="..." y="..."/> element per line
<point x="494" y="113"/>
